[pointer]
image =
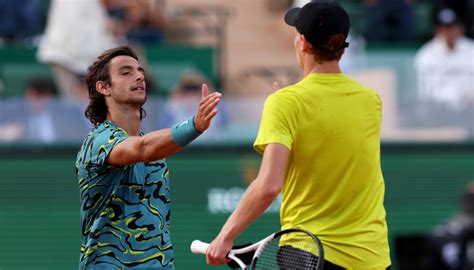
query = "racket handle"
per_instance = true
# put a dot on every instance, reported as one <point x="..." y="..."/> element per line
<point x="199" y="247"/>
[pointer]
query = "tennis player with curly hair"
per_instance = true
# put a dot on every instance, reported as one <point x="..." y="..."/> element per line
<point x="122" y="173"/>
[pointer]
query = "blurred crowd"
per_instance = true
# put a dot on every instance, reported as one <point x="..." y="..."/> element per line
<point x="69" y="35"/>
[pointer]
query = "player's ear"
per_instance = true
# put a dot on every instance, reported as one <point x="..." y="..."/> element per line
<point x="305" y="45"/>
<point x="103" y="88"/>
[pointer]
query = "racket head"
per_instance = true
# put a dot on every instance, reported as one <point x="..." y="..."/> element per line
<point x="295" y="249"/>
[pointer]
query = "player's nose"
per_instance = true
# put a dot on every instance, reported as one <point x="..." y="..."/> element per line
<point x="140" y="76"/>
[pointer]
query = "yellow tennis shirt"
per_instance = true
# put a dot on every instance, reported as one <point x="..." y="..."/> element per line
<point x="334" y="185"/>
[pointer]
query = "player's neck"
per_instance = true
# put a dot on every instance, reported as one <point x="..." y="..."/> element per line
<point x="126" y="118"/>
<point x="329" y="67"/>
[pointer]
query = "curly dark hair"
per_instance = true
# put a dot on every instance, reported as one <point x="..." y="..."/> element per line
<point x="96" y="111"/>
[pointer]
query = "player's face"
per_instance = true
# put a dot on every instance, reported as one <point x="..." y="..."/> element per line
<point x="127" y="78"/>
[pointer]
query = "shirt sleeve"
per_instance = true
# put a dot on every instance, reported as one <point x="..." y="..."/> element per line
<point x="278" y="123"/>
<point x="103" y="144"/>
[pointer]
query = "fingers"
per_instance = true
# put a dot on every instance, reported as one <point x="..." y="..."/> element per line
<point x="204" y="91"/>
<point x="207" y="110"/>
<point x="216" y="260"/>
<point x="211" y="115"/>
<point x="217" y="251"/>
<point x="208" y="105"/>
<point x="216" y="254"/>
<point x="276" y="86"/>
<point x="208" y="100"/>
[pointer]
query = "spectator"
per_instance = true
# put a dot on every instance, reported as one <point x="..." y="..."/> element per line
<point x="138" y="21"/>
<point x="182" y="101"/>
<point x="39" y="118"/>
<point x="76" y="33"/>
<point x="455" y="237"/>
<point x="445" y="70"/>
<point x="19" y="20"/>
<point x="389" y="20"/>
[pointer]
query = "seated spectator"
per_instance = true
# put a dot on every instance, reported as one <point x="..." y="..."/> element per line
<point x="38" y="122"/>
<point x="445" y="71"/>
<point x="40" y="118"/>
<point x="455" y="237"/>
<point x="182" y="101"/>
<point x="138" y="21"/>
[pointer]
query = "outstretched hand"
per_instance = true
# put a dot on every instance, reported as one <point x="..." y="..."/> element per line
<point x="207" y="109"/>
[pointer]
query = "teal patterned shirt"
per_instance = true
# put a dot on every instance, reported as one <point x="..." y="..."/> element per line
<point x="125" y="210"/>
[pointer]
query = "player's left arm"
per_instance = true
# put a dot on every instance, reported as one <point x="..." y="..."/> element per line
<point x="257" y="198"/>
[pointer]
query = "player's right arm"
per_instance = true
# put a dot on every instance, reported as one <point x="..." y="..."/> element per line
<point x="162" y="143"/>
<point x="153" y="146"/>
<point x="256" y="199"/>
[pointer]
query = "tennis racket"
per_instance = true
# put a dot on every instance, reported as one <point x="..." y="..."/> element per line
<point x="294" y="249"/>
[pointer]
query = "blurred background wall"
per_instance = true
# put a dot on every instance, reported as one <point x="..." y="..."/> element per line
<point x="239" y="48"/>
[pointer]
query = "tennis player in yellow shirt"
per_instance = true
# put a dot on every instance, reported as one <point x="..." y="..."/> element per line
<point x="320" y="140"/>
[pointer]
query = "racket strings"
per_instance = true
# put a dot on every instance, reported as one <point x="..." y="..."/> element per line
<point x="294" y="251"/>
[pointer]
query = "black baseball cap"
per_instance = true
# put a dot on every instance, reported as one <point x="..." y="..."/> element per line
<point x="319" y="20"/>
<point x="447" y="16"/>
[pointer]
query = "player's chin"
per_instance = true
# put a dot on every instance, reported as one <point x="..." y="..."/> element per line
<point x="138" y="100"/>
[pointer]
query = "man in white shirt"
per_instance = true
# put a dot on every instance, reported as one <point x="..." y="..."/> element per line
<point x="445" y="70"/>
